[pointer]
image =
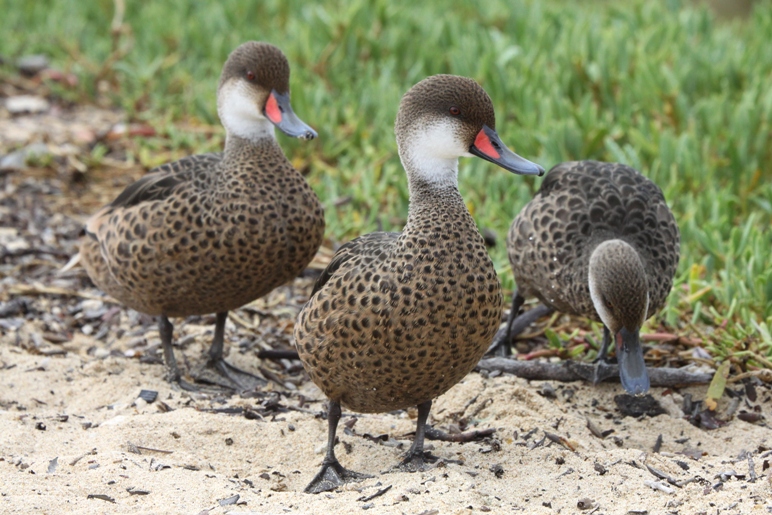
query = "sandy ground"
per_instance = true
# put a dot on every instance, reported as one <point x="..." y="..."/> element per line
<point x="73" y="428"/>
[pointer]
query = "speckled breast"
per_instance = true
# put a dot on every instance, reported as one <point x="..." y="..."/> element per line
<point x="394" y="335"/>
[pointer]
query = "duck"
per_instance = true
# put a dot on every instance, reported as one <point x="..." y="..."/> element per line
<point x="212" y="232"/>
<point x="599" y="241"/>
<point x="397" y="318"/>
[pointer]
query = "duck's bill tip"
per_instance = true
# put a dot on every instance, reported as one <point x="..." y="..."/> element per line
<point x="487" y="145"/>
<point x="279" y="111"/>
<point x="632" y="368"/>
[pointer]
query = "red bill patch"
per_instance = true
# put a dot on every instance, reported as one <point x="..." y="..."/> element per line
<point x="484" y="145"/>
<point x="272" y="110"/>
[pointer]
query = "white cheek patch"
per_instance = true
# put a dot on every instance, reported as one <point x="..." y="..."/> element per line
<point x="240" y="115"/>
<point x="597" y="301"/>
<point x="434" y="151"/>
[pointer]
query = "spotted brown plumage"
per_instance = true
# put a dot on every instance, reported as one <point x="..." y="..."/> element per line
<point x="600" y="227"/>
<point x="397" y="319"/>
<point x="212" y="232"/>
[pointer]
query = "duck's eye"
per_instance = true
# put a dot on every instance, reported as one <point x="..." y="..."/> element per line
<point x="251" y="75"/>
<point x="455" y="111"/>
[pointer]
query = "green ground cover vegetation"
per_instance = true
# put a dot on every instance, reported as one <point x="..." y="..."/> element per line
<point x="660" y="85"/>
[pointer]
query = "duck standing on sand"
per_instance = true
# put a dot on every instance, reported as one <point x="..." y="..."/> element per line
<point x="599" y="241"/>
<point x="396" y="319"/>
<point x="212" y="232"/>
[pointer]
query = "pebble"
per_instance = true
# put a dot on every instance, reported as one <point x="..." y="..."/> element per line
<point x="10" y="239"/>
<point x="17" y="160"/>
<point x="659" y="486"/>
<point x="32" y="64"/>
<point x="148" y="395"/>
<point x="26" y="104"/>
<point x="115" y="421"/>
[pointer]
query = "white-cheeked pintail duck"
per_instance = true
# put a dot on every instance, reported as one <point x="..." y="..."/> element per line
<point x="397" y="319"/>
<point x="599" y="241"/>
<point x="212" y="232"/>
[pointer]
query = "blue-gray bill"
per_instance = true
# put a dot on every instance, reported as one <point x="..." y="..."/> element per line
<point x="279" y="111"/>
<point x="632" y="368"/>
<point x="488" y="146"/>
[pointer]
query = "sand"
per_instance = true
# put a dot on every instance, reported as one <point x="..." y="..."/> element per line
<point x="74" y="428"/>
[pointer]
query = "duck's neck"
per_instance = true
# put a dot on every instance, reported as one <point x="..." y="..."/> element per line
<point x="433" y="186"/>
<point x="236" y="145"/>
<point x="256" y="157"/>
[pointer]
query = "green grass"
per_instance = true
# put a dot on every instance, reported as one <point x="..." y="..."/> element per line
<point x="661" y="86"/>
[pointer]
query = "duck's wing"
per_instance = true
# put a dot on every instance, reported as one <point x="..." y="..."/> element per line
<point x="158" y="184"/>
<point x="366" y="247"/>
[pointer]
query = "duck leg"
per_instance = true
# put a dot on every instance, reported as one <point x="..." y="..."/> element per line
<point x="601" y="362"/>
<point x="516" y="324"/>
<point x="332" y="475"/>
<point x="603" y="352"/>
<point x="414" y="459"/>
<point x="216" y="362"/>
<point x="504" y="337"/>
<point x="165" y="330"/>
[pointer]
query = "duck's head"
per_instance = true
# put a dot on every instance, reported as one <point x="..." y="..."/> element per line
<point x="620" y="294"/>
<point x="445" y="117"/>
<point x="253" y="94"/>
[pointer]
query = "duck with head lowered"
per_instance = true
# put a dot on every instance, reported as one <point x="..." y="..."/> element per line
<point x="397" y="319"/>
<point x="212" y="232"/>
<point x="599" y="241"/>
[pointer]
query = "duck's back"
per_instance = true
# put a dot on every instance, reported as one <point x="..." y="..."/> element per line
<point x="205" y="234"/>
<point x="579" y="205"/>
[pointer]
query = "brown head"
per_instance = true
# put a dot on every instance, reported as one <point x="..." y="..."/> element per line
<point x="444" y="117"/>
<point x="253" y="94"/>
<point x="620" y="294"/>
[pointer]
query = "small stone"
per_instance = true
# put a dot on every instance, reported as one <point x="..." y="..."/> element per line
<point x="497" y="470"/>
<point x="32" y="64"/>
<point x="585" y="503"/>
<point x="229" y="500"/>
<point x="26" y="104"/>
<point x="11" y="240"/>
<point x="548" y="391"/>
<point x="148" y="395"/>
<point x="18" y="160"/>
